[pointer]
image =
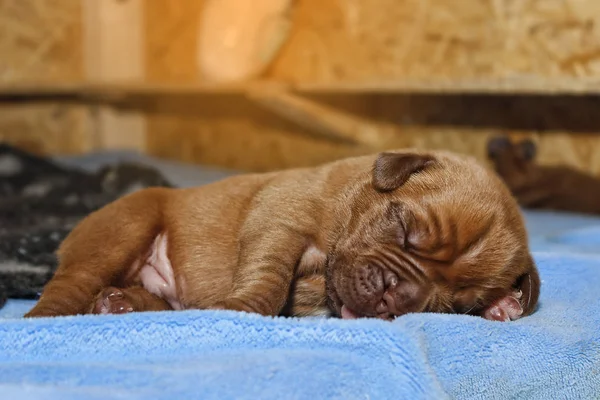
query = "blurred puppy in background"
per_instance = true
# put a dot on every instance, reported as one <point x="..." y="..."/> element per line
<point x="548" y="187"/>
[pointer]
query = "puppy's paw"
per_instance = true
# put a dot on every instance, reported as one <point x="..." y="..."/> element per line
<point x="233" y="305"/>
<point x="507" y="308"/>
<point x="112" y="301"/>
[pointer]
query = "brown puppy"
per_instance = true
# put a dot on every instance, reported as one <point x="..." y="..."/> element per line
<point x="374" y="236"/>
<point x="535" y="186"/>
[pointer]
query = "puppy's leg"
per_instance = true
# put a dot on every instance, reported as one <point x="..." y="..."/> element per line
<point x="519" y="303"/>
<point x="308" y="297"/>
<point x="268" y="257"/>
<point x="100" y="251"/>
<point x="507" y="308"/>
<point x="132" y="299"/>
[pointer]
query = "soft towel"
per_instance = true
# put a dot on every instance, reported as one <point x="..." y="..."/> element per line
<point x="553" y="354"/>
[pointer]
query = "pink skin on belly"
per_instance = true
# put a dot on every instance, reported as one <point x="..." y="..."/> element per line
<point x="156" y="272"/>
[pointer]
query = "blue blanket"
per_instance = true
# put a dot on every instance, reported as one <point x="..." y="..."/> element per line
<point x="553" y="354"/>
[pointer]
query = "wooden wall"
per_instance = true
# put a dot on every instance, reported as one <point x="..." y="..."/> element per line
<point x="497" y="47"/>
<point x="460" y="40"/>
<point x="41" y="41"/>
<point x="385" y="73"/>
<point x="402" y="41"/>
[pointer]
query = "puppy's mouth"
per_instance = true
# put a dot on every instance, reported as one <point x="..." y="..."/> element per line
<point x="343" y="311"/>
<point x="347" y="313"/>
<point x="337" y="304"/>
<point x="376" y="293"/>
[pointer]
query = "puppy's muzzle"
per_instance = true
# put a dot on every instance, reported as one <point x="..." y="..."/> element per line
<point x="380" y="292"/>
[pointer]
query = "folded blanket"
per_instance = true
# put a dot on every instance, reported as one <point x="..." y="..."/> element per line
<point x="553" y="354"/>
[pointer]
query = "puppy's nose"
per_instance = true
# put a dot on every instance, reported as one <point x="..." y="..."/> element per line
<point x="369" y="282"/>
<point x="402" y="298"/>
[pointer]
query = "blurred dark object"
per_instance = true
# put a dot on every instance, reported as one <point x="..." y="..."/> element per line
<point x="41" y="201"/>
<point x="559" y="188"/>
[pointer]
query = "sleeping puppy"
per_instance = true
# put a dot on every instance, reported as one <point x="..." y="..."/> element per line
<point x="374" y="236"/>
<point x="549" y="187"/>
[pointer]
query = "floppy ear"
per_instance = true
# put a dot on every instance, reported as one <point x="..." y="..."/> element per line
<point x="497" y="145"/>
<point x="528" y="149"/>
<point x="391" y="170"/>
<point x="529" y="283"/>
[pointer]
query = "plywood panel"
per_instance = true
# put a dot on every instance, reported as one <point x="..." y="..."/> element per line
<point x="230" y="131"/>
<point x="40" y="40"/>
<point x="171" y="36"/>
<point x="400" y="45"/>
<point x="354" y="40"/>
<point x="47" y="128"/>
<point x="114" y="52"/>
<point x="233" y="132"/>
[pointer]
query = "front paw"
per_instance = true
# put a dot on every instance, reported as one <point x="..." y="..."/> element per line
<point x="112" y="301"/>
<point x="507" y="308"/>
<point x="232" y="304"/>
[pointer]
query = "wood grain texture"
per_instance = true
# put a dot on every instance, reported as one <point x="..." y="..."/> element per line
<point x="368" y="60"/>
<point x="406" y="40"/>
<point x="171" y="38"/>
<point x="47" y="128"/>
<point x="231" y="131"/>
<point x="40" y="40"/>
<point x="114" y="48"/>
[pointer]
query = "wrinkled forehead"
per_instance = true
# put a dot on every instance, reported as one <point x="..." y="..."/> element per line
<point x="462" y="168"/>
<point x="454" y="189"/>
<point x="467" y="197"/>
<point x="454" y="181"/>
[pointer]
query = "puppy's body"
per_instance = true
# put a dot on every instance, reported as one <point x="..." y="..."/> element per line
<point x="546" y="187"/>
<point x="197" y="236"/>
<point x="184" y="245"/>
<point x="369" y="236"/>
<point x="559" y="188"/>
<point x="244" y="222"/>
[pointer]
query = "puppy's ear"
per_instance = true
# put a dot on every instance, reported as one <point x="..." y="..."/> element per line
<point x="528" y="149"/>
<point x="529" y="284"/>
<point x="391" y="170"/>
<point x="498" y="145"/>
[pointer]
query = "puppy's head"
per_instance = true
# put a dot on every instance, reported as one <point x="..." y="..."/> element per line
<point x="429" y="232"/>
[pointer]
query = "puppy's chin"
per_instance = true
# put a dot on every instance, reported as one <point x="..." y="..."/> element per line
<point x="398" y="299"/>
<point x="347" y="313"/>
<point x="333" y="299"/>
<point x="337" y="305"/>
<point x="496" y="304"/>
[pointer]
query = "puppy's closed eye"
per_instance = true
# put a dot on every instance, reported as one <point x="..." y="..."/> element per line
<point x="402" y="224"/>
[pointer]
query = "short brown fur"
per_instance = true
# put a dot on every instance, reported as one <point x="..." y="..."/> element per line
<point x="295" y="242"/>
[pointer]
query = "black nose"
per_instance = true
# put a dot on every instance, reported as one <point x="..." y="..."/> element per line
<point x="369" y="283"/>
<point x="401" y="298"/>
<point x="382" y="293"/>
